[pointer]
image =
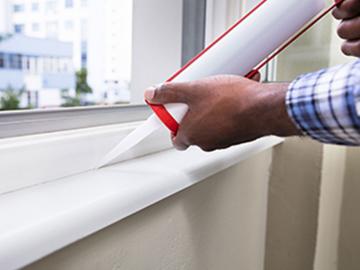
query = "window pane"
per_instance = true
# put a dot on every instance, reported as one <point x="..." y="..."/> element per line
<point x="35" y="6"/>
<point x="50" y="6"/>
<point x="69" y="3"/>
<point x="80" y="52"/>
<point x="19" y="28"/>
<point x="2" y="60"/>
<point x="317" y="49"/>
<point x="18" y="8"/>
<point x="35" y="27"/>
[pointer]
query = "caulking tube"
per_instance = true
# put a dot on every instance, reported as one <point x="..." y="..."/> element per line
<point x="244" y="46"/>
<point x="239" y="50"/>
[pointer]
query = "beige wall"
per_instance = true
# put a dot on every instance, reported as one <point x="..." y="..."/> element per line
<point x="293" y="205"/>
<point x="349" y="241"/>
<point x="333" y="171"/>
<point x="217" y="224"/>
<point x="338" y="243"/>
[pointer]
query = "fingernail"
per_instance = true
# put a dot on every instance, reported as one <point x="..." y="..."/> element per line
<point x="149" y="93"/>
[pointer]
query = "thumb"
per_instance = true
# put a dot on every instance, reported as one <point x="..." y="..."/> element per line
<point x="167" y="93"/>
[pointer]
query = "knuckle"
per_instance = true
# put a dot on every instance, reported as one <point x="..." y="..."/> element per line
<point x="157" y="94"/>
<point x="192" y="139"/>
<point x="207" y="148"/>
<point x="174" y="91"/>
<point x="336" y="14"/>
<point x="342" y="30"/>
<point x="351" y="49"/>
<point x="345" y="52"/>
<point x="356" y="50"/>
<point x="165" y="86"/>
<point x="344" y="49"/>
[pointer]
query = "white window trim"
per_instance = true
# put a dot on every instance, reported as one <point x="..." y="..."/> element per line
<point x="31" y="122"/>
<point x="77" y="206"/>
<point x="37" y="159"/>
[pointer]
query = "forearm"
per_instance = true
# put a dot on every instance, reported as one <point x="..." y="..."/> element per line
<point x="323" y="105"/>
<point x="272" y="105"/>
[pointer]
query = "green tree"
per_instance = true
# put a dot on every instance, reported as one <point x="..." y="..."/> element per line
<point x="82" y="88"/>
<point x="69" y="101"/>
<point x="10" y="98"/>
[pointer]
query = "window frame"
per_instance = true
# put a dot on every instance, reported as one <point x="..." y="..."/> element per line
<point x="31" y="122"/>
<point x="72" y="139"/>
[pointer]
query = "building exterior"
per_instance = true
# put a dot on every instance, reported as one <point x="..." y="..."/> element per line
<point x="110" y="48"/>
<point x="105" y="51"/>
<point x="42" y="67"/>
<point x="63" y="20"/>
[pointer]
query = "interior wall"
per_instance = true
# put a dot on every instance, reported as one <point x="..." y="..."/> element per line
<point x="293" y="203"/>
<point x="217" y="224"/>
<point x="336" y="170"/>
<point x="349" y="240"/>
<point x="333" y="172"/>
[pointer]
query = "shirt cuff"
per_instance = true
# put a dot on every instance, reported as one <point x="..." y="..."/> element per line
<point x="325" y="106"/>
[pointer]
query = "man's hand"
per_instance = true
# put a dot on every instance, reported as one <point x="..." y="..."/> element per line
<point x="349" y="28"/>
<point x="226" y="110"/>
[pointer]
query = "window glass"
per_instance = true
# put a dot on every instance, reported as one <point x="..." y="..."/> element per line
<point x="15" y="61"/>
<point x="317" y="49"/>
<point x="35" y="6"/>
<point x="132" y="44"/>
<point x="50" y="6"/>
<point x="2" y="60"/>
<point x="69" y="3"/>
<point x="19" y="28"/>
<point x="18" y="8"/>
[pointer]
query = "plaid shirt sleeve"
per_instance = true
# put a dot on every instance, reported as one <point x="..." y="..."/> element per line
<point x="325" y="105"/>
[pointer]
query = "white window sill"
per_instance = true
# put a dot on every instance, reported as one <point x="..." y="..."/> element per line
<point x="39" y="220"/>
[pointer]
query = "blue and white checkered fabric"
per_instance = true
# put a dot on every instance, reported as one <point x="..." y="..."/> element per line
<point x="325" y="105"/>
